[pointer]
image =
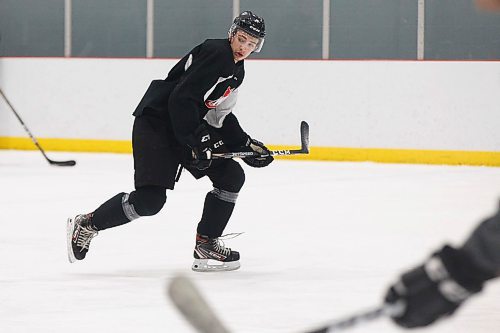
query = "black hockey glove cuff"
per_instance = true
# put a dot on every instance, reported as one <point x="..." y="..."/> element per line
<point x="436" y="288"/>
<point x="261" y="161"/>
<point x="201" y="149"/>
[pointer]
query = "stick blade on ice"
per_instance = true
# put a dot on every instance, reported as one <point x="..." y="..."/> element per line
<point x="191" y="304"/>
<point x="62" y="163"/>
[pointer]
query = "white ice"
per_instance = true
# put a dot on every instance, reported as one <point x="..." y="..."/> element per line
<point x="321" y="241"/>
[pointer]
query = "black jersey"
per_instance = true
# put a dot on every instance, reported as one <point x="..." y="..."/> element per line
<point x="203" y="82"/>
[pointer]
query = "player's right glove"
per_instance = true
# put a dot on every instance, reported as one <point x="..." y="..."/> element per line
<point x="201" y="151"/>
<point x="437" y="288"/>
<point x="253" y="145"/>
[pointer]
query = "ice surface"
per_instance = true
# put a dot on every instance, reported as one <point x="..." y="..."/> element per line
<point x="321" y="241"/>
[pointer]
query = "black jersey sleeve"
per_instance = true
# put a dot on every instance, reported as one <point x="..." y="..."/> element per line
<point x="232" y="133"/>
<point x="484" y="243"/>
<point x="204" y="66"/>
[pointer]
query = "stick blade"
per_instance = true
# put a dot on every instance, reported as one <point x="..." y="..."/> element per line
<point x="304" y="136"/>
<point x="63" y="163"/>
<point x="191" y="304"/>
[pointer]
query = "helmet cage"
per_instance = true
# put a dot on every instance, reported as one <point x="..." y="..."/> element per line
<point x="260" y="42"/>
<point x="252" y="25"/>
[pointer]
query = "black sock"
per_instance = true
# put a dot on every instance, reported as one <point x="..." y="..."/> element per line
<point x="216" y="214"/>
<point x="110" y="214"/>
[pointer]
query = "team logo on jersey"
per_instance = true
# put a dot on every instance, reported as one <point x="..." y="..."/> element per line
<point x="212" y="104"/>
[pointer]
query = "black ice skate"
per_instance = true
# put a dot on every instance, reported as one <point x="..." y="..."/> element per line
<point x="210" y="255"/>
<point x="79" y="234"/>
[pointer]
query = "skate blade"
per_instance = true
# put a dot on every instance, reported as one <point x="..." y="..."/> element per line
<point x="69" y="236"/>
<point x="210" y="265"/>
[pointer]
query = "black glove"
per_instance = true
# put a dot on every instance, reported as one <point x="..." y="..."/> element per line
<point x="258" y="147"/>
<point x="201" y="151"/>
<point x="436" y="288"/>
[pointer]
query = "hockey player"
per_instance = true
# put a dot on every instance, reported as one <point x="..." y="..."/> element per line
<point x="178" y="124"/>
<point x="450" y="276"/>
<point x="437" y="288"/>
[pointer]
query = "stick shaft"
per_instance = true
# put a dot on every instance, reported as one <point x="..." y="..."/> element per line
<point x="361" y="318"/>
<point x="21" y="121"/>
<point x="243" y="154"/>
<point x="32" y="137"/>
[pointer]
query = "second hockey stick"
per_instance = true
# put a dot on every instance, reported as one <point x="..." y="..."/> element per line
<point x="35" y="141"/>
<point x="189" y="301"/>
<point x="304" y="149"/>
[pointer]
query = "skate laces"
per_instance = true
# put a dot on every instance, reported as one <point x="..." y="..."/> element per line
<point x="231" y="235"/>
<point x="85" y="234"/>
<point x="218" y="243"/>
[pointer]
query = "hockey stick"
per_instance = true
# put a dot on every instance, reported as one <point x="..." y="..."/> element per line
<point x="52" y="162"/>
<point x="189" y="301"/>
<point x="304" y="149"/>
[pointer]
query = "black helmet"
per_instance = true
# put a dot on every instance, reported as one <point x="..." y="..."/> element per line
<point x="251" y="24"/>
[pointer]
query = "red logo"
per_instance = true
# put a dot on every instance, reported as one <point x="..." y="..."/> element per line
<point x="212" y="104"/>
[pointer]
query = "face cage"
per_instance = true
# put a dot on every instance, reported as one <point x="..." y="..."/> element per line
<point x="260" y="43"/>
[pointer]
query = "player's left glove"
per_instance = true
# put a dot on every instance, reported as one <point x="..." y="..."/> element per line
<point x="261" y="161"/>
<point x="436" y="288"/>
<point x="201" y="150"/>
